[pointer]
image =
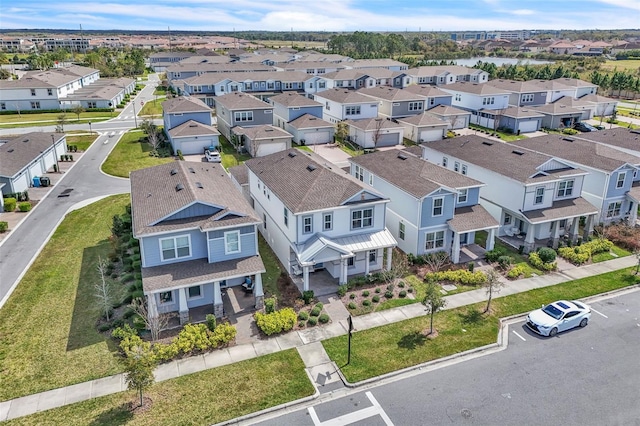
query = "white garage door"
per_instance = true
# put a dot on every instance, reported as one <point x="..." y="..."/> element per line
<point x="431" y="135"/>
<point x="528" y="126"/>
<point x="389" y="139"/>
<point x="49" y="160"/>
<point x="35" y="170"/>
<point x="313" y="138"/>
<point x="21" y="183"/>
<point x="270" y="148"/>
<point x="197" y="146"/>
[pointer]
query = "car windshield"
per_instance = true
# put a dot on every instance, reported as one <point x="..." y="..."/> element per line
<point x="552" y="311"/>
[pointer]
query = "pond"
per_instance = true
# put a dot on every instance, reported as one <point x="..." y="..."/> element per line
<point x="469" y="62"/>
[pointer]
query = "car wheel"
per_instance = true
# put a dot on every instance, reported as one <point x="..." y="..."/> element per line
<point x="553" y="332"/>
<point x="584" y="322"/>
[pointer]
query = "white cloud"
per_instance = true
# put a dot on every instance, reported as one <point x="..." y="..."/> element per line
<point x="522" y="12"/>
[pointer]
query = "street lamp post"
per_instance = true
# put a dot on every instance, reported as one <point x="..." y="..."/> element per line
<point x="55" y="154"/>
<point x="90" y="128"/>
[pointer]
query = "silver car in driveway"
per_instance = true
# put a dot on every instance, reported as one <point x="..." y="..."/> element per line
<point x="559" y="316"/>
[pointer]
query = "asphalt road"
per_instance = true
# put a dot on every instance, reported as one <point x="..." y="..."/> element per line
<point x="587" y="376"/>
<point x="86" y="181"/>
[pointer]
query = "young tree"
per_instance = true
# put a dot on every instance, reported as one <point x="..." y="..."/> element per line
<point x="438" y="260"/>
<point x="492" y="285"/>
<point x="377" y="132"/>
<point x="103" y="289"/>
<point x="342" y="130"/>
<point x="62" y="120"/>
<point x="154" y="323"/>
<point x="433" y="301"/>
<point x="139" y="362"/>
<point x="399" y="267"/>
<point x="77" y="110"/>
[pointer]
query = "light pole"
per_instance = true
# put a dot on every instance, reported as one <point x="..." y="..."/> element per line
<point x="135" y="116"/>
<point x="55" y="154"/>
<point x="90" y="128"/>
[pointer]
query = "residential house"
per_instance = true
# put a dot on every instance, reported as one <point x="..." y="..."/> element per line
<point x="424" y="127"/>
<point x="192" y="137"/>
<point x="161" y="60"/>
<point x="588" y="109"/>
<point x="609" y="184"/>
<point x="557" y="116"/>
<point x="373" y="133"/>
<point x="455" y="117"/>
<point x="603" y="106"/>
<point x="177" y="111"/>
<point x="395" y="103"/>
<point x="262" y="140"/>
<point x="555" y="89"/>
<point x="289" y="106"/>
<point x="197" y="234"/>
<point x="188" y="70"/>
<point x="318" y="217"/>
<point x="515" y="119"/>
<point x="627" y="140"/>
<point x="446" y="74"/>
<point x="436" y="209"/>
<point x="530" y="194"/>
<point x="433" y="96"/>
<point x="310" y="130"/>
<point x="27" y="156"/>
<point x="343" y="104"/>
<point x="522" y="93"/>
<point x="311" y="67"/>
<point x="386" y="63"/>
<point x="241" y="109"/>
<point x="475" y="97"/>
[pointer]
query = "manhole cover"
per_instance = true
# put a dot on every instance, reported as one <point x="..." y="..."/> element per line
<point x="465" y="413"/>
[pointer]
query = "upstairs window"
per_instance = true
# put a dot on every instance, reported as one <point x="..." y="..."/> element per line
<point x="359" y="173"/>
<point x="286" y="217"/>
<point x="401" y="231"/>
<point x="415" y="106"/>
<point x="232" y="242"/>
<point x="352" y="110"/>
<point x="621" y="178"/>
<point x="565" y="188"/>
<point x="539" y="195"/>
<point x="307" y="225"/>
<point x="437" y="206"/>
<point x="33" y="92"/>
<point x="362" y="218"/>
<point x="327" y="222"/>
<point x="243" y="116"/>
<point x="445" y="161"/>
<point x="175" y="247"/>
<point x="462" y="196"/>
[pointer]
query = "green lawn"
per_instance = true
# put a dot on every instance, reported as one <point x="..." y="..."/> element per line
<point x="47" y="327"/>
<point x="617" y="252"/>
<point x="153" y="107"/>
<point x="395" y="346"/>
<point x="627" y="64"/>
<point x="160" y="90"/>
<point x="301" y="147"/>
<point x="518" y="259"/>
<point x="351" y="149"/>
<point x="231" y="157"/>
<point x="13" y="119"/>
<point x="82" y="142"/>
<point x="507" y="137"/>
<point x="208" y="397"/>
<point x="131" y="154"/>
<point x="272" y="265"/>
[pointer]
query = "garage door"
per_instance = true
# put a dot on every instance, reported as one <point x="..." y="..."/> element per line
<point x="431" y="135"/>
<point x="270" y="148"/>
<point x="49" y="159"/>
<point x="35" y="170"/>
<point x="21" y="183"/>
<point x="528" y="126"/>
<point x="196" y="147"/>
<point x="313" y="138"/>
<point x="389" y="139"/>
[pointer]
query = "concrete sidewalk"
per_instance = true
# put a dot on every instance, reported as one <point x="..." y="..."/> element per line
<point x="306" y="341"/>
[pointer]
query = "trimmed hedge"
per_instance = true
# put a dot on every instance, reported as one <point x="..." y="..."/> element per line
<point x="536" y="262"/>
<point x="461" y="276"/>
<point x="10" y="204"/>
<point x="277" y="321"/>
<point x="516" y="271"/>
<point x="4" y="226"/>
<point x="582" y="253"/>
<point x="24" y="206"/>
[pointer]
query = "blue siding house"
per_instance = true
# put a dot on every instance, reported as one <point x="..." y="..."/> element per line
<point x="197" y="235"/>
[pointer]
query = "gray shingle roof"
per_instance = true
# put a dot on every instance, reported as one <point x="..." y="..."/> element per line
<point x="621" y="138"/>
<point x="302" y="188"/>
<point x="291" y="99"/>
<point x="155" y="195"/>
<point x="240" y="173"/>
<point x="308" y="121"/>
<point x="344" y="96"/>
<point x="19" y="152"/>
<point x="184" y="104"/>
<point x="412" y="174"/>
<point x="445" y="110"/>
<point x="474" y="88"/>
<point x="192" y="128"/>
<point x="471" y="218"/>
<point x="426" y="91"/>
<point x="423" y="120"/>
<point x="560" y="210"/>
<point x="373" y="124"/>
<point x="555" y="109"/>
<point x="516" y="86"/>
<point x="264" y="131"/>
<point x="520" y="112"/>
<point x="239" y="100"/>
<point x="390" y="94"/>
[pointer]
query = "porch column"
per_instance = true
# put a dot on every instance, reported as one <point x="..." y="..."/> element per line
<point x="343" y="271"/>
<point x="455" y="249"/>
<point x="218" y="310"/>
<point x="491" y="239"/>
<point x="182" y="303"/>
<point x="574" y="230"/>
<point x="555" y="233"/>
<point x="305" y="278"/>
<point x="529" y="239"/>
<point x="633" y="216"/>
<point x="258" y="292"/>
<point x="152" y="306"/>
<point x="588" y="228"/>
<point x="366" y="262"/>
<point x="389" y="257"/>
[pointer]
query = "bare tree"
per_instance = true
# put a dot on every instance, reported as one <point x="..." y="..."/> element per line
<point x="377" y="131"/>
<point x="492" y="285"/>
<point x="497" y="115"/>
<point x="433" y="301"/>
<point x="62" y="120"/>
<point x="399" y="267"/>
<point x="154" y="140"/>
<point x="77" y="110"/>
<point x="637" y="253"/>
<point x="437" y="261"/>
<point x="154" y="323"/>
<point x="104" y="291"/>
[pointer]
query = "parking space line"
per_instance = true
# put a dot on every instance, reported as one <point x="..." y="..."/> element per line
<point x="375" y="403"/>
<point x="516" y="333"/>
<point x="599" y="313"/>
<point x="356" y="416"/>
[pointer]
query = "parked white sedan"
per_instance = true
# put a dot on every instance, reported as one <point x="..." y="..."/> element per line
<point x="212" y="156"/>
<point x="559" y="316"/>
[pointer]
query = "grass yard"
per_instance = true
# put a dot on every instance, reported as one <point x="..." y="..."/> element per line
<point x="350" y="148"/>
<point x="153" y="107"/>
<point x="613" y="254"/>
<point x="131" y="154"/>
<point x="507" y="137"/>
<point x="83" y="142"/>
<point x="624" y="65"/>
<point x="392" y="347"/>
<point x="231" y="157"/>
<point x="272" y="265"/>
<point x="12" y="120"/>
<point x="518" y="259"/>
<point x="301" y="147"/>
<point x="47" y="327"/>
<point x="208" y="397"/>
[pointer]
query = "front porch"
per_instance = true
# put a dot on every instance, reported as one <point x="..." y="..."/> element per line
<point x="321" y="282"/>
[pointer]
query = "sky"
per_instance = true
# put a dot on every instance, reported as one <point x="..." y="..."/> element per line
<point x="320" y="15"/>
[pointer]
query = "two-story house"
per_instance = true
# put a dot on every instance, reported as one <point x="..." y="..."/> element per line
<point x="372" y="133"/>
<point x="395" y="103"/>
<point x="435" y="210"/>
<point x="197" y="236"/>
<point x="528" y="193"/>
<point x="188" y="125"/>
<point x="241" y="109"/>
<point x="456" y="118"/>
<point x="483" y="101"/>
<point x="302" y="118"/>
<point x="432" y="95"/>
<point x="343" y="104"/>
<point x="609" y="184"/>
<point x="521" y="93"/>
<point x="318" y="217"/>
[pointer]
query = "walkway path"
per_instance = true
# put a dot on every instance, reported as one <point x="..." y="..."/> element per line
<point x="306" y="341"/>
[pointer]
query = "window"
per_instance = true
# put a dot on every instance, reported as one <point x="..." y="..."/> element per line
<point x="445" y="161"/>
<point x="244" y="116"/>
<point x="507" y="219"/>
<point x="464" y="169"/>
<point x="371" y="179"/>
<point x="194" y="292"/>
<point x="33" y="92"/>
<point x="307" y="224"/>
<point x="3" y="106"/>
<point x="247" y="86"/>
<point x="264" y="221"/>
<point x="456" y="166"/>
<point x="351" y="262"/>
<point x="432" y="101"/>
<point x="415" y="106"/>
<point x="359" y="173"/>
<point x="458" y="96"/>
<point x="175" y="247"/>
<point x="327" y="222"/>
<point x="50" y="92"/>
<point x="565" y="188"/>
<point x="91" y="105"/>
<point x="539" y="195"/>
<point x="613" y="210"/>
<point x="437" y="206"/>
<point x="166" y="297"/>
<point x="488" y="101"/>
<point x="462" y="196"/>
<point x="35" y="105"/>
<point x="401" y="231"/>
<point x="321" y="84"/>
<point x="621" y="178"/>
<point x="232" y="242"/>
<point x="435" y="240"/>
<point x="288" y="86"/>
<point x="362" y="218"/>
<point x="373" y="255"/>
<point x="352" y="110"/>
<point x="527" y="98"/>
<point x="286" y="217"/>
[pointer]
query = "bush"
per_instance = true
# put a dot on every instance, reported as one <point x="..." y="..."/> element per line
<point x="461" y="276"/>
<point x="410" y="290"/>
<point x="137" y="265"/>
<point x="193" y="337"/>
<point x="505" y="261"/>
<point x="582" y="253"/>
<point x="388" y="294"/>
<point x="516" y="271"/>
<point x="303" y="315"/>
<point x="323" y="319"/>
<point x="124" y="332"/>
<point x="570" y="131"/>
<point x="307" y="296"/>
<point x="312" y="321"/>
<point x="377" y="290"/>
<point x="302" y="324"/>
<point x="222" y="335"/>
<point x="471" y="266"/>
<point x="126" y="278"/>
<point x="270" y="305"/>
<point x="277" y="321"/>
<point x="319" y="305"/>
<point x="547" y="255"/>
<point x="211" y="322"/>
<point x="375" y="299"/>
<point x="352" y="296"/>
<point x="365" y="293"/>
<point x="342" y="290"/>
<point x="10" y="204"/>
<point x="402" y="294"/>
<point x="390" y="287"/>
<point x="536" y="262"/>
<point x="351" y="305"/>
<point x="24" y="206"/>
<point x="104" y="327"/>
<point x="493" y="255"/>
<point x="315" y="311"/>
<point x="401" y="284"/>
<point x="128" y="313"/>
<point x="366" y="302"/>
<point x="165" y="352"/>
<point x="4" y="226"/>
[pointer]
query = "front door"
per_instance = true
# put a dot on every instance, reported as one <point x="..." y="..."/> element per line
<point x="463" y="239"/>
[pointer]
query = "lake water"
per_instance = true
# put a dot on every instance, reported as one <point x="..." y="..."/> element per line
<point x="499" y="61"/>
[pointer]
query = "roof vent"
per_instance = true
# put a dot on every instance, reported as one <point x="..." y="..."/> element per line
<point x="193" y="125"/>
<point x="402" y="156"/>
<point x="487" y="143"/>
<point x="174" y="172"/>
<point x="311" y="167"/>
<point x="292" y="154"/>
<point x="179" y="187"/>
<point x="517" y="152"/>
<point x="568" y="139"/>
<point x="191" y="170"/>
<point x="25" y="140"/>
<point x="10" y="150"/>
<point x="199" y="185"/>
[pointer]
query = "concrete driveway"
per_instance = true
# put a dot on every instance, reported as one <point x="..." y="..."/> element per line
<point x="332" y="153"/>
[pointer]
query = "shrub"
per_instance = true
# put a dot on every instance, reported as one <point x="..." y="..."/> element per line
<point x="505" y="261"/>
<point x="129" y="269"/>
<point x="302" y="324"/>
<point x="388" y="294"/>
<point x="277" y="321"/>
<point x="365" y="293"/>
<point x="547" y="255"/>
<point x="401" y="284"/>
<point x="126" y="278"/>
<point x="375" y="299"/>
<point x="10" y="204"/>
<point x="270" y="305"/>
<point x="536" y="262"/>
<point x="390" y="287"/>
<point x="461" y="276"/>
<point x="124" y="332"/>
<point x="211" y="321"/>
<point x="351" y="305"/>
<point x="24" y="206"/>
<point x="516" y="271"/>
<point x="128" y="313"/>
<point x="312" y="321"/>
<point x="4" y="226"/>
<point x="342" y="290"/>
<point x="410" y="289"/>
<point x="165" y="352"/>
<point x="366" y="302"/>
<point x="493" y="255"/>
<point x="303" y="315"/>
<point x="307" y="296"/>
<point x="315" y="311"/>
<point x="193" y="337"/>
<point x="352" y="296"/>
<point x="136" y="265"/>
<point x="377" y="290"/>
<point x="323" y="319"/>
<point x="137" y="294"/>
<point x="222" y="335"/>
<point x="570" y="131"/>
<point x="320" y="305"/>
<point x="104" y="327"/>
<point x="402" y="294"/>
<point x="471" y="266"/>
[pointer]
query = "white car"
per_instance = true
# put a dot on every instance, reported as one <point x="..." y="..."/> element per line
<point x="559" y="316"/>
<point x="212" y="156"/>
